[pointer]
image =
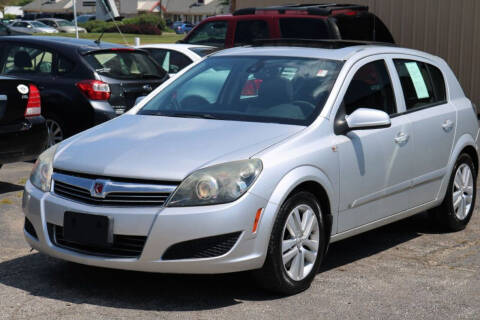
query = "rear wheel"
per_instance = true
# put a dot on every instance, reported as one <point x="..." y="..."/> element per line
<point x="297" y="246"/>
<point x="56" y="131"/>
<point x="457" y="207"/>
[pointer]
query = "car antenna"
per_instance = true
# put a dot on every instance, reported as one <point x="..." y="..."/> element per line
<point x="99" y="38"/>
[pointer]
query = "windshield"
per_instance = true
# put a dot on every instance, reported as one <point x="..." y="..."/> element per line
<point x="39" y="24"/>
<point x="209" y="33"/>
<point x="65" y="23"/>
<point x="122" y="64"/>
<point x="285" y="90"/>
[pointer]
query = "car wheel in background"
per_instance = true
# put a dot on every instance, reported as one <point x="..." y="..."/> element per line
<point x="457" y="208"/>
<point x="56" y="132"/>
<point x="296" y="248"/>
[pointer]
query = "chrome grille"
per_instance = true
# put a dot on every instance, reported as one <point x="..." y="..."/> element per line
<point x="113" y="192"/>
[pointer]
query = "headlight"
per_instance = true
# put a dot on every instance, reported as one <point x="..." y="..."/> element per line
<point x="41" y="176"/>
<point x="217" y="184"/>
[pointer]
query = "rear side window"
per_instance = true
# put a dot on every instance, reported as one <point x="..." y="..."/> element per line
<point x="423" y="84"/>
<point x="209" y="33"/>
<point x="249" y="30"/>
<point x="371" y="88"/>
<point x="27" y="60"/>
<point x="64" y="65"/>
<point x="362" y="26"/>
<point x="171" y="61"/>
<point x="124" y="64"/>
<point x="302" y="28"/>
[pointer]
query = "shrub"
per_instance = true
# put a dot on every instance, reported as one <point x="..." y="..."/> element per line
<point x="97" y="26"/>
<point x="146" y="19"/>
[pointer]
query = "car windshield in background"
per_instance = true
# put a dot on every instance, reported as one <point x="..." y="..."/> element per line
<point x="124" y="65"/>
<point x="202" y="52"/>
<point x="263" y="89"/>
<point x="210" y="33"/>
<point x="39" y="24"/>
<point x="65" y="23"/>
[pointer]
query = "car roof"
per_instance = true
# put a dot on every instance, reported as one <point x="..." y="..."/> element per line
<point x="63" y="42"/>
<point x="339" y="54"/>
<point x="51" y="19"/>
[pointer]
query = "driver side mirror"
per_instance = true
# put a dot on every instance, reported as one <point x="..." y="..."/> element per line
<point x="365" y="118"/>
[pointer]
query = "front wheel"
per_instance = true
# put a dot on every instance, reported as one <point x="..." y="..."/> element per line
<point x="296" y="248"/>
<point x="56" y="132"/>
<point x="457" y="208"/>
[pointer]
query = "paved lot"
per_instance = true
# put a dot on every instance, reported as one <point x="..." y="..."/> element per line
<point x="403" y="271"/>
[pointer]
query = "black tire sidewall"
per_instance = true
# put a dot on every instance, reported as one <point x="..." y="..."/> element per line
<point x="451" y="220"/>
<point x="289" y="285"/>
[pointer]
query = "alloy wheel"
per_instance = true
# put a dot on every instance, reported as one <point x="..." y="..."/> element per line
<point x="300" y="242"/>
<point x="55" y="132"/>
<point x="463" y="191"/>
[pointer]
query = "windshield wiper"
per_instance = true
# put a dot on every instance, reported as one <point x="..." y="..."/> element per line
<point x="181" y="115"/>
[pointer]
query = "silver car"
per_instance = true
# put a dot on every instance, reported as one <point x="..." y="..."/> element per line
<point x="256" y="159"/>
<point x="62" y="25"/>
<point x="31" y="27"/>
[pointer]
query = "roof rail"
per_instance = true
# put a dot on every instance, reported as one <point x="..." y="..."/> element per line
<point x="316" y="43"/>
<point x="313" y="9"/>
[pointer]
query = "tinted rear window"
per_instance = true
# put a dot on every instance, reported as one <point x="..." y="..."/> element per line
<point x="302" y="28"/>
<point x="362" y="26"/>
<point x="124" y="65"/>
<point x="249" y="30"/>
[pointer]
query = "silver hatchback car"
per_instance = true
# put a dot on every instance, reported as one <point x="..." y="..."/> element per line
<point x="256" y="159"/>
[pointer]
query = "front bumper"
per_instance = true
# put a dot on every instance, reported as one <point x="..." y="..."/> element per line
<point x="163" y="227"/>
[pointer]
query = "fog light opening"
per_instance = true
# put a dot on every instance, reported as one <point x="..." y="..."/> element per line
<point x="257" y="219"/>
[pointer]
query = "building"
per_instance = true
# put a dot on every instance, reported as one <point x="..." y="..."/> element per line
<point x="447" y="28"/>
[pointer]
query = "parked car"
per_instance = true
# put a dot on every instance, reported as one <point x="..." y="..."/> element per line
<point x="5" y="30"/>
<point x="62" y="25"/>
<point x="184" y="28"/>
<point x="31" y="27"/>
<point x="177" y="24"/>
<point x="175" y="57"/>
<point x="325" y="21"/>
<point x="85" y="18"/>
<point x="82" y="83"/>
<point x="200" y="177"/>
<point x="23" y="133"/>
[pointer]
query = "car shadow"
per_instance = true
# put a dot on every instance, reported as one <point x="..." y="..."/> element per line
<point x="6" y="187"/>
<point x="54" y="279"/>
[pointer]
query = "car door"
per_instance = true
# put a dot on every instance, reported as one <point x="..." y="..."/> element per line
<point x="375" y="164"/>
<point x="434" y="122"/>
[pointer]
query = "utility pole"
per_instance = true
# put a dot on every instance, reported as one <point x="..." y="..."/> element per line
<point x="75" y="17"/>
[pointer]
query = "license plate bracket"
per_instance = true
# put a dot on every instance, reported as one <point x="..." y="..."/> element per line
<point x="88" y="229"/>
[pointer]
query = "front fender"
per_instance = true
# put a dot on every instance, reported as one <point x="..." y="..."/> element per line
<point x="283" y="189"/>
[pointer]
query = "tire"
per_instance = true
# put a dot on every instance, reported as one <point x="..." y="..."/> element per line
<point x="457" y="208"/>
<point x="285" y="278"/>
<point x="56" y="129"/>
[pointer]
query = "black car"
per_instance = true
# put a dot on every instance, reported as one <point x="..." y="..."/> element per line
<point x="23" y="133"/>
<point x="82" y="82"/>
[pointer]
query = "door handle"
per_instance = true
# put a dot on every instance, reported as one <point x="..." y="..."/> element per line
<point x="447" y="125"/>
<point x="401" y="138"/>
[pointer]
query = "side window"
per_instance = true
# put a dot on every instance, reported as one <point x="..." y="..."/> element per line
<point x="371" y="87"/>
<point x="249" y="30"/>
<point x="27" y="60"/>
<point x="304" y="28"/>
<point x="3" y="30"/>
<point x="178" y="61"/>
<point x="422" y="84"/>
<point x="64" y="65"/>
<point x="209" y="33"/>
<point x="362" y="26"/>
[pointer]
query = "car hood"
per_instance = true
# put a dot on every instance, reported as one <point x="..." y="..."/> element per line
<point x="164" y="148"/>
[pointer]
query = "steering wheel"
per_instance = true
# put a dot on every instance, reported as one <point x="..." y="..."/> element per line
<point x="193" y="101"/>
<point x="307" y="107"/>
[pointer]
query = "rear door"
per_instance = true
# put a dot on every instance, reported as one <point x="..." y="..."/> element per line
<point x="247" y="30"/>
<point x="434" y="124"/>
<point x="129" y="73"/>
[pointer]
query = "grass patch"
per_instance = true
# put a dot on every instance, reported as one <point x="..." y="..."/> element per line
<point x="117" y="38"/>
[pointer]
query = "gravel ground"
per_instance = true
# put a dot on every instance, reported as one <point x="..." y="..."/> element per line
<point x="406" y="270"/>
